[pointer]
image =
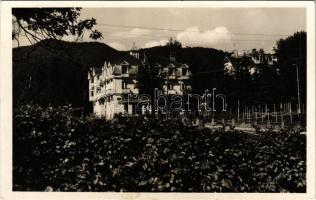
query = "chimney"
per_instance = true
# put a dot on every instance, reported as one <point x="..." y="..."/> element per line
<point x="134" y="51"/>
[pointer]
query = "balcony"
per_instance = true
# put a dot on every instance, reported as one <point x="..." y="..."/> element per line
<point x="109" y="91"/>
<point x="171" y="92"/>
<point x="126" y="91"/>
<point x="99" y="95"/>
<point x="171" y="77"/>
<point x="125" y="75"/>
<point x="184" y="77"/>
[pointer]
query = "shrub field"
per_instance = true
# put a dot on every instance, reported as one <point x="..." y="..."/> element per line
<point x="55" y="149"/>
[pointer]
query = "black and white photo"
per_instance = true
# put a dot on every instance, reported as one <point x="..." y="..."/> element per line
<point x="151" y="99"/>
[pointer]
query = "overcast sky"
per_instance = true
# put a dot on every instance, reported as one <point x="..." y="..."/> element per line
<point x="221" y="28"/>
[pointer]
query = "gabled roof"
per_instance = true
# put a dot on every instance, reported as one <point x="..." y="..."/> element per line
<point x="171" y="65"/>
<point x="117" y="70"/>
<point x="185" y="65"/>
<point x="127" y="59"/>
<point x="97" y="70"/>
<point x="163" y="61"/>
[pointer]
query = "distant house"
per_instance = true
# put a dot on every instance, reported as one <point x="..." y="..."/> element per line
<point x="264" y="58"/>
<point x="229" y="68"/>
<point x="113" y="86"/>
<point x="174" y="76"/>
<point x="253" y="61"/>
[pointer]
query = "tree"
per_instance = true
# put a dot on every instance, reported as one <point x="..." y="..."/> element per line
<point x="254" y="52"/>
<point x="174" y="43"/>
<point x="37" y="24"/>
<point x="291" y="55"/>
<point x="292" y="48"/>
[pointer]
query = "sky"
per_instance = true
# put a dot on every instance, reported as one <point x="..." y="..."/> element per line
<point x="221" y="28"/>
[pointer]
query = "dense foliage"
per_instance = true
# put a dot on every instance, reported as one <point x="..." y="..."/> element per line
<point x="57" y="149"/>
<point x="292" y="53"/>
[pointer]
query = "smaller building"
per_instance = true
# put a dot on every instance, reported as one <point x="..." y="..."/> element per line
<point x="264" y="58"/>
<point x="254" y="62"/>
<point x="174" y="76"/>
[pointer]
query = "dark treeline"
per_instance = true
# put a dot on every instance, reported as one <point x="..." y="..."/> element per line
<point x="275" y="84"/>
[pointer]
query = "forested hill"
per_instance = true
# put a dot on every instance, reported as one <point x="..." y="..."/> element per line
<point x="199" y="59"/>
<point x="55" y="72"/>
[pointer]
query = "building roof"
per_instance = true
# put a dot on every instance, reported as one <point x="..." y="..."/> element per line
<point x="163" y="61"/>
<point x="128" y="58"/>
<point x="97" y="70"/>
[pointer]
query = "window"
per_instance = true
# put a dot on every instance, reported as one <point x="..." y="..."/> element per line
<point x="170" y="86"/>
<point x="134" y="110"/>
<point x="98" y="77"/>
<point x="170" y="72"/>
<point x="124" y="69"/>
<point x="126" y="107"/>
<point x="92" y="79"/>
<point x="124" y="85"/>
<point x="92" y="93"/>
<point x="184" y="72"/>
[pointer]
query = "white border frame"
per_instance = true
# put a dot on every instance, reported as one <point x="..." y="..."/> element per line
<point x="6" y="102"/>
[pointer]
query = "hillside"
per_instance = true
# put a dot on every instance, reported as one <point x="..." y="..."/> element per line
<point x="55" y="72"/>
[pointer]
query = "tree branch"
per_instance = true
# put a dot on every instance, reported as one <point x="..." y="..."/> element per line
<point x="27" y="32"/>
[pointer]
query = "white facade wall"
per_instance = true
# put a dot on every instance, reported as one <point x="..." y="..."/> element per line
<point x="177" y="89"/>
<point x="108" y="90"/>
<point x="114" y="107"/>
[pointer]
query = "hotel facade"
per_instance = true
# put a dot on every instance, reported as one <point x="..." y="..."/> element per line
<point x="113" y="86"/>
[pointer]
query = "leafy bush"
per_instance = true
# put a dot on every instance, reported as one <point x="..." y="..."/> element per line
<point x="54" y="149"/>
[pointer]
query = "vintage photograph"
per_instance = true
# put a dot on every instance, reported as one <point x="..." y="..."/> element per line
<point x="159" y="99"/>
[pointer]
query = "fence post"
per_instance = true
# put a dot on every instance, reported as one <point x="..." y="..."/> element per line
<point x="256" y="116"/>
<point x="249" y="115"/>
<point x="290" y="109"/>
<point x="238" y="111"/>
<point x="268" y="118"/>
<point x="282" y="121"/>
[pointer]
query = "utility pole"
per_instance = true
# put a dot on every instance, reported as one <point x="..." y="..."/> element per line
<point x="298" y="91"/>
<point x="168" y="78"/>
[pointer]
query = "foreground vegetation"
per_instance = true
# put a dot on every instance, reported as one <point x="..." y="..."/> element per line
<point x="55" y="149"/>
